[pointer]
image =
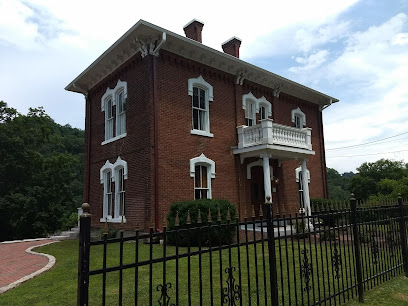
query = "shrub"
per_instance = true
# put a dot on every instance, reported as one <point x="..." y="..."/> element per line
<point x="328" y="236"/>
<point x="112" y="233"/>
<point x="216" y="235"/>
<point x="69" y="222"/>
<point x="301" y="228"/>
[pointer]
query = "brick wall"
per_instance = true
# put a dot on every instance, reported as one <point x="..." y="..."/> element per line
<point x="176" y="145"/>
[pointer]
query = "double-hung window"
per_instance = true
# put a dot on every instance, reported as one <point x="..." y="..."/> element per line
<point x="253" y="106"/>
<point x="201" y="182"/>
<point x="121" y="114"/>
<point x="298" y="118"/>
<point x="250" y="115"/>
<point x="109" y="111"/>
<point x="114" y="106"/>
<point x="202" y="169"/>
<point x="113" y="177"/>
<point x="120" y="191"/>
<point x="262" y="112"/>
<point x="108" y="195"/>
<point x="200" y="109"/>
<point x="201" y="93"/>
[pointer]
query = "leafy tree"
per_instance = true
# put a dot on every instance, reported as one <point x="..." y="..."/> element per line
<point x="380" y="180"/>
<point x="338" y="184"/>
<point x="40" y="173"/>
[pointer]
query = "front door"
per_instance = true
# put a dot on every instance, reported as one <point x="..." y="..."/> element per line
<point x="257" y="188"/>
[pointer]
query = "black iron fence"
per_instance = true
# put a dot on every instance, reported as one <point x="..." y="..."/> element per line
<point x="328" y="257"/>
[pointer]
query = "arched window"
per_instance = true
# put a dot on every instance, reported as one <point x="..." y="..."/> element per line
<point x="250" y="115"/>
<point x="113" y="178"/>
<point x="114" y="106"/>
<point x="202" y="169"/>
<point x="298" y="118"/>
<point x="201" y="93"/>
<point x="253" y="105"/>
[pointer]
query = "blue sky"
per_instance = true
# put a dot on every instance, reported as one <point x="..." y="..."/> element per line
<point x="356" y="51"/>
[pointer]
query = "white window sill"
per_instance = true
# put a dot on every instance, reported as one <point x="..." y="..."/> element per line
<point x="113" y="139"/>
<point x="113" y="220"/>
<point x="202" y="133"/>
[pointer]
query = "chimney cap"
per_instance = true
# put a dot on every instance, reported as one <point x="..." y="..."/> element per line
<point x="194" y="20"/>
<point x="231" y="39"/>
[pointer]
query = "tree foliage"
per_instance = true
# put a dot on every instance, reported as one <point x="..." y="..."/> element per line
<point x="383" y="179"/>
<point x="40" y="173"/>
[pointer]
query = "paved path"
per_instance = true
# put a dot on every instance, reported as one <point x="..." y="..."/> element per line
<point x="18" y="263"/>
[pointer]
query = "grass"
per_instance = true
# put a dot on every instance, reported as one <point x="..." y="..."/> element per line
<point x="58" y="286"/>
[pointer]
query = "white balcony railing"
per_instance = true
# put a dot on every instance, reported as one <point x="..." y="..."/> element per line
<point x="271" y="133"/>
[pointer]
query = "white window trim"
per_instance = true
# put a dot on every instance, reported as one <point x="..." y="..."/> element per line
<point x="258" y="163"/>
<point x="301" y="114"/>
<point x="121" y="86"/>
<point x="114" y="168"/>
<point x="209" y="97"/>
<point x="258" y="103"/>
<point x="298" y="170"/>
<point x="203" y="160"/>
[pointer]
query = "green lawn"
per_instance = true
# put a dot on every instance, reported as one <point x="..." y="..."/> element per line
<point x="58" y="286"/>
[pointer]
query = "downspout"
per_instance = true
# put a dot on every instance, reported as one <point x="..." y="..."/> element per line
<point x="88" y="145"/>
<point x="322" y="149"/>
<point x="155" y="53"/>
<point x="156" y="142"/>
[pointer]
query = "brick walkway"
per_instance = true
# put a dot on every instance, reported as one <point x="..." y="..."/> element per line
<point x="16" y="263"/>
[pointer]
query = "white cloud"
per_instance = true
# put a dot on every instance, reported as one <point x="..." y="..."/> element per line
<point x="310" y="62"/>
<point x="374" y="72"/>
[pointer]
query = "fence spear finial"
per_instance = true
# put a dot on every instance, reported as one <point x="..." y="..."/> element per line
<point x="105" y="229"/>
<point x="228" y="215"/>
<point x="177" y="221"/>
<point x="209" y="219"/>
<point x="188" y="221"/>
<point x="219" y="215"/>
<point x="199" y="216"/>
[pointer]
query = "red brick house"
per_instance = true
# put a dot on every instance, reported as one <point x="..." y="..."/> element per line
<point x="170" y="119"/>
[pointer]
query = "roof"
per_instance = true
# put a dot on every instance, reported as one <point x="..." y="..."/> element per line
<point x="128" y="45"/>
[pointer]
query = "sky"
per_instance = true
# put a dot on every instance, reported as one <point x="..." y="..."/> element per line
<point x="355" y="51"/>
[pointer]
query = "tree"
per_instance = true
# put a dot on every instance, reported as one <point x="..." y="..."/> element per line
<point x="381" y="179"/>
<point x="40" y="173"/>
<point x="338" y="184"/>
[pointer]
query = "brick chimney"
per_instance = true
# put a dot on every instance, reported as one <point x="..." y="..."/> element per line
<point x="193" y="30"/>
<point x="231" y="46"/>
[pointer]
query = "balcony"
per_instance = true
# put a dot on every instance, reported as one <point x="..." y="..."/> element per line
<point x="281" y="140"/>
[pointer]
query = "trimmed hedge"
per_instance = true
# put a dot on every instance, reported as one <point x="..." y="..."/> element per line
<point x="193" y="237"/>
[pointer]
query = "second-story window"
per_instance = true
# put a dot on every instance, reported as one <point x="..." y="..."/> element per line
<point x="262" y="113"/>
<point x="253" y="106"/>
<point x="250" y="115"/>
<point x="298" y="118"/>
<point x="114" y="106"/>
<point x="200" y="110"/>
<point x="201" y="93"/>
<point x="121" y="114"/>
<point x="109" y="111"/>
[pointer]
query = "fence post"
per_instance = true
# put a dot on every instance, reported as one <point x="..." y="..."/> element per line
<point x="357" y="254"/>
<point x="403" y="236"/>
<point x="83" y="257"/>
<point x="272" y="253"/>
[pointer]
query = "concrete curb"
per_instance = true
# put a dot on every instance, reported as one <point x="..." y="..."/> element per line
<point x="24" y="240"/>
<point x="51" y="262"/>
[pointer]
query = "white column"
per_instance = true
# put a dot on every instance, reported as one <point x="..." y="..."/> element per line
<point x="305" y="182"/>
<point x="267" y="176"/>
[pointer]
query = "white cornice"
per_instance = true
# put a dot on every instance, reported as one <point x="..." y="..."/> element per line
<point x="126" y="47"/>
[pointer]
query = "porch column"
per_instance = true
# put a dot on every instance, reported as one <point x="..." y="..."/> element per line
<point x="267" y="176"/>
<point x="305" y="182"/>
